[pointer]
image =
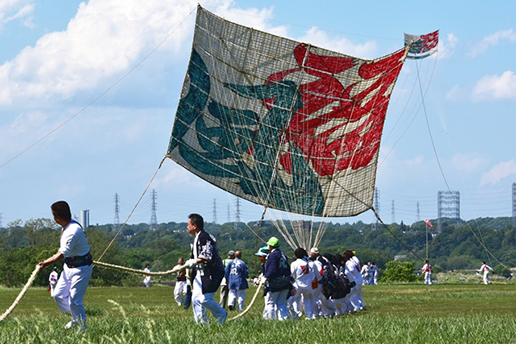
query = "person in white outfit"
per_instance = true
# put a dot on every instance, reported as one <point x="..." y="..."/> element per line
<point x="147" y="278"/>
<point x="427" y="270"/>
<point x="181" y="287"/>
<point x="52" y="279"/>
<point x="323" y="305"/>
<point x="485" y="269"/>
<point x="75" y="277"/>
<point x="352" y="269"/>
<point x="374" y="274"/>
<point x="305" y="281"/>
<point x="365" y="273"/>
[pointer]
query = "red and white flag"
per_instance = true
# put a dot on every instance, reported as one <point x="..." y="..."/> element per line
<point x="428" y="223"/>
<point x="422" y="45"/>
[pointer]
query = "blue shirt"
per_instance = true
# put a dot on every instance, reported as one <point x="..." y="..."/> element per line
<point x="236" y="274"/>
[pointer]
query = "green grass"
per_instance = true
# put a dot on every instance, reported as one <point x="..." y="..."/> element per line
<point x="404" y="313"/>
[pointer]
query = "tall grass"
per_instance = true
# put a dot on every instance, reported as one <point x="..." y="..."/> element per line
<point x="395" y="314"/>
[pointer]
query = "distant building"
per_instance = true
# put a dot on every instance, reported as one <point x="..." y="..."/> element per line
<point x="85" y="218"/>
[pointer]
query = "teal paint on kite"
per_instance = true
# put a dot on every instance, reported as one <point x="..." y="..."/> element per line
<point x="220" y="154"/>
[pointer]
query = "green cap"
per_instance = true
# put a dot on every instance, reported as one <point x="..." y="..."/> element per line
<point x="273" y="241"/>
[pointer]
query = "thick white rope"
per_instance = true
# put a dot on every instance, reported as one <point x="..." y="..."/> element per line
<point x="22" y="292"/>
<point x="121" y="268"/>
<point x="137" y="271"/>
<point x="252" y="302"/>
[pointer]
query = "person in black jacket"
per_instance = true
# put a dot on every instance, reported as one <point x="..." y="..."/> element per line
<point x="208" y="272"/>
<point x="278" y="282"/>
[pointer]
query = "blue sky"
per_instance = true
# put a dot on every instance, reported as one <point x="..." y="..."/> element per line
<point x="88" y="93"/>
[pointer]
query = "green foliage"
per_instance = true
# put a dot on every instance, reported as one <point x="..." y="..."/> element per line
<point x="400" y="313"/>
<point x="398" y="272"/>
<point x="451" y="249"/>
<point x="502" y="271"/>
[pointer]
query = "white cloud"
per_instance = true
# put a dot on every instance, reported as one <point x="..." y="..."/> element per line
<point x="457" y="92"/>
<point x="105" y="39"/>
<point x="341" y="44"/>
<point x="492" y="40"/>
<point x="446" y="47"/>
<point x="467" y="162"/>
<point x="256" y="18"/>
<point x="496" y="87"/>
<point x="11" y="10"/>
<point x="498" y="172"/>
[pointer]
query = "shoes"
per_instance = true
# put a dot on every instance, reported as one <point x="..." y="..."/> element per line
<point x="80" y="324"/>
<point x="71" y="324"/>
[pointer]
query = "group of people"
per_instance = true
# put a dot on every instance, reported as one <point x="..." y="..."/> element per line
<point x="369" y="273"/>
<point x="313" y="285"/>
<point x="427" y="270"/>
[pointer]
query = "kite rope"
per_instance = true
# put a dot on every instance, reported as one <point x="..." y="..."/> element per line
<point x="22" y="293"/>
<point x="480" y="241"/>
<point x="174" y="270"/>
<point x="252" y="302"/>
<point x="395" y="236"/>
<point x="137" y="271"/>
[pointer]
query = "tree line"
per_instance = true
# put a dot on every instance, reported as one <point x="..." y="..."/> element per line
<point x="454" y="247"/>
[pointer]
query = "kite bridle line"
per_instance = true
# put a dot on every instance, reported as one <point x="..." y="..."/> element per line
<point x="441" y="169"/>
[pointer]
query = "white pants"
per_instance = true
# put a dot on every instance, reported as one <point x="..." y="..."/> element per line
<point x="201" y="302"/>
<point x="486" y="277"/>
<point x="305" y="297"/>
<point x="428" y="278"/>
<point x="70" y="289"/>
<point x="266" y="300"/>
<point x="276" y="305"/>
<point x="343" y="305"/>
<point x="323" y="306"/>
<point x="355" y="297"/>
<point x="180" y="292"/>
<point x="146" y="281"/>
<point x="239" y="295"/>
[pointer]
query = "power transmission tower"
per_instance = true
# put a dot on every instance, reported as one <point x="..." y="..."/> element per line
<point x="417" y="211"/>
<point x="392" y="212"/>
<point x="153" y="220"/>
<point x="237" y="213"/>
<point x="376" y="205"/>
<point x="116" y="222"/>
<point x="448" y="205"/>
<point x="214" y="211"/>
<point x="229" y="215"/>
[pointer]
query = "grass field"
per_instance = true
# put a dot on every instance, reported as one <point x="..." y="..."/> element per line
<point x="404" y="313"/>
